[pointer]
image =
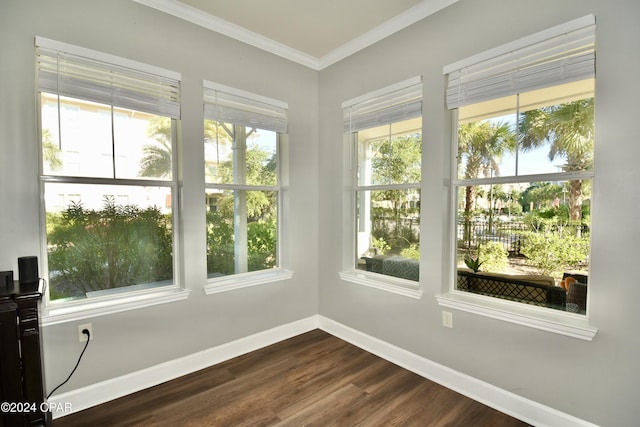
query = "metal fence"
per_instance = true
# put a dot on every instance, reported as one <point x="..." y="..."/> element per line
<point x="474" y="233"/>
<point x="471" y="234"/>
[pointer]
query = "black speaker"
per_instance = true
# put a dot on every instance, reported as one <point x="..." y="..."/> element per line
<point x="28" y="270"/>
<point x="6" y="278"/>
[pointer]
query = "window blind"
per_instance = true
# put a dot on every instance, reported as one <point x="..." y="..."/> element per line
<point x="561" y="54"/>
<point x="77" y="72"/>
<point x="230" y="105"/>
<point x="393" y="103"/>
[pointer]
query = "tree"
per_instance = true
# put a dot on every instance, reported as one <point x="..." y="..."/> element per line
<point x="482" y="144"/>
<point x="396" y="161"/>
<point x="260" y="171"/>
<point x="50" y="151"/>
<point x="540" y="195"/>
<point x="156" y="161"/>
<point x="219" y="137"/>
<point x="569" y="130"/>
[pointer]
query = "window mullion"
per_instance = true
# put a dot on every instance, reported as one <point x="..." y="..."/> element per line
<point x="113" y="145"/>
<point x="240" y="199"/>
<point x="518" y="139"/>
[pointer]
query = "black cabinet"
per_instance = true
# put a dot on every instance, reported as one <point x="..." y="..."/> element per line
<point x="21" y="374"/>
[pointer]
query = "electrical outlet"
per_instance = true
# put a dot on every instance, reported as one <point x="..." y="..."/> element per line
<point x="82" y="337"/>
<point x="447" y="319"/>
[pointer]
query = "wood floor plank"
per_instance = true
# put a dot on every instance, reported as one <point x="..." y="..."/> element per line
<point x="218" y="405"/>
<point x="313" y="379"/>
<point x="323" y="411"/>
<point x="390" y="397"/>
<point x="328" y="376"/>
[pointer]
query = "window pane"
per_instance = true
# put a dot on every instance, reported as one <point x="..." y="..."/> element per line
<point x="242" y="230"/>
<point x="529" y="242"/>
<point x="388" y="232"/>
<point x="104" y="239"/>
<point x="486" y="148"/>
<point x="390" y="154"/>
<point x="524" y="239"/>
<point x="142" y="145"/>
<point x="79" y="142"/>
<point x="261" y="163"/>
<point x="236" y="154"/>
<point x="556" y="135"/>
<point x="218" y="152"/>
<point x="544" y="131"/>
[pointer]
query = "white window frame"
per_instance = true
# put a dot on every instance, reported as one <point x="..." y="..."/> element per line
<point x="68" y="311"/>
<point x="555" y="321"/>
<point x="225" y="103"/>
<point x="372" y="100"/>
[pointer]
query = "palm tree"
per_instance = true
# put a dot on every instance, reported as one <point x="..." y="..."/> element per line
<point x="482" y="144"/>
<point x="156" y="161"/>
<point x="569" y="129"/>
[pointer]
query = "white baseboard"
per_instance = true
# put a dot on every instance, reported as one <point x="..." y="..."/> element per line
<point x="519" y="407"/>
<point x="516" y="406"/>
<point x="96" y="394"/>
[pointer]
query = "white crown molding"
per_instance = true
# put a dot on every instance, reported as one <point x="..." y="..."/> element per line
<point x="213" y="23"/>
<point x="393" y="25"/>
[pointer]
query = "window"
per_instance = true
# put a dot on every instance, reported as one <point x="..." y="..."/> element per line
<point x="523" y="169"/>
<point x="244" y="136"/>
<point x="108" y="173"/>
<point x="384" y="132"/>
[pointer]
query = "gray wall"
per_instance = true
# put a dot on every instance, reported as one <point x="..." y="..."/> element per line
<point x="134" y="340"/>
<point x="596" y="381"/>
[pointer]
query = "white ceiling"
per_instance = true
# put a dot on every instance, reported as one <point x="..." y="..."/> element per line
<point x="314" y="33"/>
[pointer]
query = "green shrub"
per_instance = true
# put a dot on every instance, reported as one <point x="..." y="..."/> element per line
<point x="412" y="252"/>
<point x="380" y="246"/>
<point x="261" y="244"/>
<point x="220" y="243"/>
<point x="551" y="253"/>
<point x="115" y="246"/>
<point x="493" y="256"/>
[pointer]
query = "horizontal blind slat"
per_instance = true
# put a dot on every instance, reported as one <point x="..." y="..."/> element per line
<point x="70" y="75"/>
<point x="561" y="58"/>
<point x="242" y="110"/>
<point x="384" y="108"/>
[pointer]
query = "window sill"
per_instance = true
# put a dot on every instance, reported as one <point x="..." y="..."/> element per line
<point x="558" y="322"/>
<point x="244" y="280"/>
<point x="87" y="308"/>
<point x="391" y="284"/>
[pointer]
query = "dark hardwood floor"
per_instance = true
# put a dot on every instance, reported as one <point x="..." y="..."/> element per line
<point x="314" y="379"/>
